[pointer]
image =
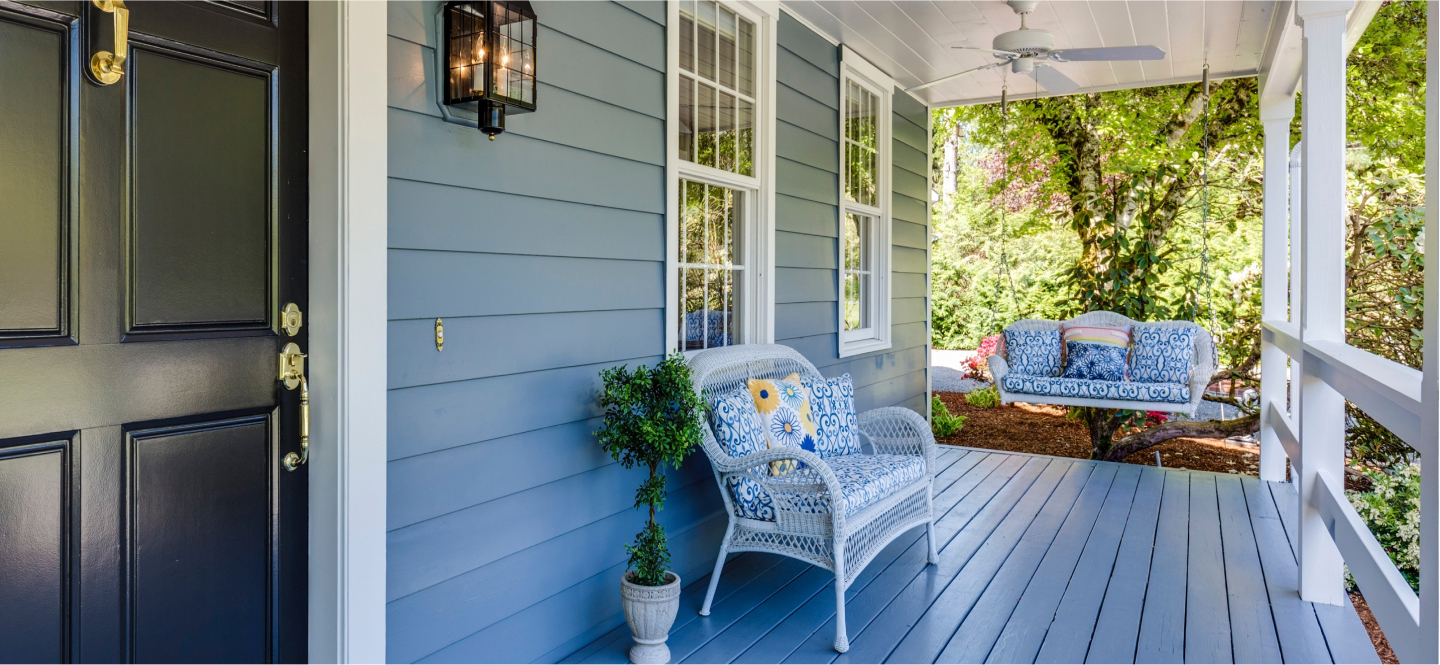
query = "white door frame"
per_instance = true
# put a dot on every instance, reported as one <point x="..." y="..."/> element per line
<point x="347" y="320"/>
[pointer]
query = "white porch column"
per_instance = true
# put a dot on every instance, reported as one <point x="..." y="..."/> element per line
<point x="1275" y="300"/>
<point x="1430" y="391"/>
<point x="1322" y="408"/>
<point x="1296" y="263"/>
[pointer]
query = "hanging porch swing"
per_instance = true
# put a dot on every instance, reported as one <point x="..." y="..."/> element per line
<point x="1106" y="360"/>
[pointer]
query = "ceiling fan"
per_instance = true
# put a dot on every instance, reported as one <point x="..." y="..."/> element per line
<point x="1031" y="51"/>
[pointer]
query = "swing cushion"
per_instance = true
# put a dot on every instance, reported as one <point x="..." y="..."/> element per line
<point x="1033" y="352"/>
<point x="1096" y="362"/>
<point x="1177" y="393"/>
<point x="1162" y="354"/>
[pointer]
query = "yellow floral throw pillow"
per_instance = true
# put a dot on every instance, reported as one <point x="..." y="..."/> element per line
<point x="785" y="415"/>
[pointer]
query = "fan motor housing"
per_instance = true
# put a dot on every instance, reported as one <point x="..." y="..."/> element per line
<point x="1024" y="42"/>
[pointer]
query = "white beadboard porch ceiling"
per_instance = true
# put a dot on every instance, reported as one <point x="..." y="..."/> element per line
<point x="912" y="39"/>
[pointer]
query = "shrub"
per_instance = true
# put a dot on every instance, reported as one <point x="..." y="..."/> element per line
<point x="984" y="398"/>
<point x="943" y="423"/>
<point x="652" y="417"/>
<point x="1392" y="511"/>
<point x="978" y="366"/>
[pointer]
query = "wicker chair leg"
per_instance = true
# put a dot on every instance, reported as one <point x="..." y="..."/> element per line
<point x="842" y="641"/>
<point x="930" y="528"/>
<point x="719" y="565"/>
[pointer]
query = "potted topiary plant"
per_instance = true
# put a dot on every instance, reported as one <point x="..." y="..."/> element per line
<point x="652" y="418"/>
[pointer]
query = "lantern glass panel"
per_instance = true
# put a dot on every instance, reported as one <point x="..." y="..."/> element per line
<point x="466" y="71"/>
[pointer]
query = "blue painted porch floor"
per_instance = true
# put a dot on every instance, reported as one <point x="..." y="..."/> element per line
<point x="1043" y="559"/>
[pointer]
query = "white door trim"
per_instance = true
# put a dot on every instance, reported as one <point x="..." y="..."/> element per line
<point x="347" y="320"/>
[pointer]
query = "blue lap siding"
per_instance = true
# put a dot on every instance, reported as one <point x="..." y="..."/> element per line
<point x="543" y="251"/>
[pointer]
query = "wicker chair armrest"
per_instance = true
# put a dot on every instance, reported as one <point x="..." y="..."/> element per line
<point x="896" y="430"/>
<point x="998" y="368"/>
<point x="798" y="490"/>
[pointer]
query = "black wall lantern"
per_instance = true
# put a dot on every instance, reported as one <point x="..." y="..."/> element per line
<point x="489" y="60"/>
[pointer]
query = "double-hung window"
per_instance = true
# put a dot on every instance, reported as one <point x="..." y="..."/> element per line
<point x="864" y="248"/>
<point x="721" y="85"/>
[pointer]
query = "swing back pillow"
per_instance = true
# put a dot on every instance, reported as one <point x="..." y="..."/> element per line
<point x="1094" y="362"/>
<point x="1033" y="352"/>
<point x="1162" y="354"/>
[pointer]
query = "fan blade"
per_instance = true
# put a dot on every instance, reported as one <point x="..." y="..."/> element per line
<point x="1111" y="53"/>
<point x="952" y="77"/>
<point x="1008" y="54"/>
<point x="1054" y="81"/>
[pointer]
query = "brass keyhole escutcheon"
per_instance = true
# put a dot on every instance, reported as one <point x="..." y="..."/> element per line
<point x="291" y="319"/>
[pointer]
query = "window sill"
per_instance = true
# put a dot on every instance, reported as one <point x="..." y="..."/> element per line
<point x="861" y="346"/>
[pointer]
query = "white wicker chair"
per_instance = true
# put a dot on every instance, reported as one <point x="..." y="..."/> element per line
<point x="841" y="543"/>
<point x="1203" y="365"/>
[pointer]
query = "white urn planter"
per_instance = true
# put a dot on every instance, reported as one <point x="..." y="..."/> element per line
<point x="650" y="611"/>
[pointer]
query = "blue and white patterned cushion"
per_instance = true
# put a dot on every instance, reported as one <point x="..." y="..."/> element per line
<point x="1162" y="354"/>
<point x="864" y="479"/>
<point x="737" y="429"/>
<point x="832" y="404"/>
<point x="710" y="326"/>
<point x="1094" y="362"/>
<point x="1033" y="352"/>
<point x="1177" y="393"/>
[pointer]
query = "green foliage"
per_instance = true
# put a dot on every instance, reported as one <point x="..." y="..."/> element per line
<point x="1391" y="509"/>
<point x="1385" y="86"/>
<point x="984" y="398"/>
<point x="652" y="419"/>
<point x="944" y="423"/>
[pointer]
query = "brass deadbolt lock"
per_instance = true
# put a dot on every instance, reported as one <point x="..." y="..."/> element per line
<point x="291" y="319"/>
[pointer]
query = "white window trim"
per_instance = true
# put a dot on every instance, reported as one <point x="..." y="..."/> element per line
<point x="878" y="336"/>
<point x="757" y="298"/>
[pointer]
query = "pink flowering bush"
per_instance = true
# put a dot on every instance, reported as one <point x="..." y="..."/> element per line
<point x="978" y="367"/>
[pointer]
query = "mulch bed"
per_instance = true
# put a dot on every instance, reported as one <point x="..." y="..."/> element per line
<point x="1044" y="430"/>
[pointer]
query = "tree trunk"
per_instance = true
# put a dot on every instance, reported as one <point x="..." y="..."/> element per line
<point x="1217" y="429"/>
<point x="1102" y="424"/>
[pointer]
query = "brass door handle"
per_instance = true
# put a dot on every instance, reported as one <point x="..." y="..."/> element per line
<point x="108" y="67"/>
<point x="292" y="373"/>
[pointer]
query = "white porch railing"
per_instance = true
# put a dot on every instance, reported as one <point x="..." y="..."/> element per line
<point x="1305" y="325"/>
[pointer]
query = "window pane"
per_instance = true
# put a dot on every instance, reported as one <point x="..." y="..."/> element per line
<point x="745" y="139"/>
<point x="727" y="48"/>
<point x="746" y="64"/>
<point x="705" y="40"/>
<point x="687" y="35"/>
<point x="705" y="126"/>
<point x="687" y="119"/>
<point x="725" y="143"/>
<point x="692" y="222"/>
<point x="861" y="142"/>
<point x="710" y="279"/>
<point x="857" y="271"/>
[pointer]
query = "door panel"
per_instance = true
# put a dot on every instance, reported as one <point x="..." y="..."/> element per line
<point x="150" y="232"/>
<point x="200" y="500"/>
<point x="34" y="210"/>
<point x="34" y="504"/>
<point x="199" y="193"/>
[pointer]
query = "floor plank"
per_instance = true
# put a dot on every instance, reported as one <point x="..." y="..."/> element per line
<point x="1068" y="637"/>
<point x="1162" y="624"/>
<point x="1118" y="627"/>
<point x="933" y="630"/>
<point x="975" y="638"/>
<point x="1025" y="627"/>
<point x="1301" y="640"/>
<point x="1252" y="628"/>
<point x="695" y="634"/>
<point x="903" y="595"/>
<point x="1207" y="608"/>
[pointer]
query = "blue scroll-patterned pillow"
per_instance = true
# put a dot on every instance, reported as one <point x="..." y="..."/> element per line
<point x="1033" y="352"/>
<point x="832" y="402"/>
<point x="1096" y="362"/>
<point x="737" y="429"/>
<point x="1162" y="354"/>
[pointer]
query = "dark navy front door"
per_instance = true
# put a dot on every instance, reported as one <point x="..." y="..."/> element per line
<point x="152" y="229"/>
